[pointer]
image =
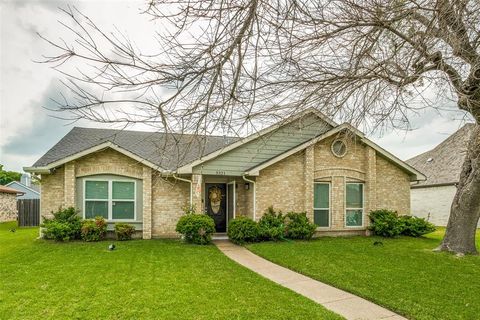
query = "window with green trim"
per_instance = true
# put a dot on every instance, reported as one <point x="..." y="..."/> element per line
<point x="321" y="204"/>
<point x="113" y="200"/>
<point x="354" y="205"/>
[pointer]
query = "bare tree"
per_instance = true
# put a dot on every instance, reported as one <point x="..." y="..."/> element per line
<point x="221" y="65"/>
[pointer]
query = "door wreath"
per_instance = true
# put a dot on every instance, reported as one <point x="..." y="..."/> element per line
<point x="215" y="197"/>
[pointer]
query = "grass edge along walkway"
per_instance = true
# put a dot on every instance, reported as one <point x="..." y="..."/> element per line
<point x="341" y="302"/>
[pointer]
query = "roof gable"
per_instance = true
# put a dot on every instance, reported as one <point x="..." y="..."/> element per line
<point x="21" y="187"/>
<point x="416" y="175"/>
<point x="237" y="158"/>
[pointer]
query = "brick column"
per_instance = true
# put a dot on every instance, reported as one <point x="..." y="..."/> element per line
<point x="147" y="203"/>
<point x="337" y="205"/>
<point x="197" y="186"/>
<point x="69" y="185"/>
<point x="308" y="180"/>
<point x="370" y="183"/>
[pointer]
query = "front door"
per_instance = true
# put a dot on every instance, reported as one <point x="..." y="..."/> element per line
<point x="216" y="204"/>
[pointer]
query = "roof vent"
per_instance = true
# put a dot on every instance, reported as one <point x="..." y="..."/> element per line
<point x="429" y="159"/>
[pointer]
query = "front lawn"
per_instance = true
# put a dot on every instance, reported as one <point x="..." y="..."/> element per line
<point x="156" y="279"/>
<point x="403" y="274"/>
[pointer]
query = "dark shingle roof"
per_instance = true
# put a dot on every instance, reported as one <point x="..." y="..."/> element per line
<point x="442" y="164"/>
<point x="168" y="151"/>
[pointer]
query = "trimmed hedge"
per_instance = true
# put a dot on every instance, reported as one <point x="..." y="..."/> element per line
<point x="94" y="229"/>
<point x="196" y="228"/>
<point x="242" y="230"/>
<point x="297" y="226"/>
<point x="385" y="223"/>
<point x="272" y="225"/>
<point x="415" y="226"/>
<point x="124" y="231"/>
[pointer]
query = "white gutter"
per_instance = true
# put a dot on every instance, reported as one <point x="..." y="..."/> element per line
<point x="254" y="195"/>
<point x="191" y="186"/>
<point x="38" y="170"/>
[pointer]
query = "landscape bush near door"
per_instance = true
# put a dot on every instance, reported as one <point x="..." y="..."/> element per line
<point x="242" y="230"/>
<point x="272" y="226"/>
<point x="196" y="228"/>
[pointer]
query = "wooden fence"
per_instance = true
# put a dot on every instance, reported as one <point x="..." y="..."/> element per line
<point x="28" y="212"/>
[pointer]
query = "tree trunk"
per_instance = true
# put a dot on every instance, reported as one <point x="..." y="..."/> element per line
<point x="465" y="212"/>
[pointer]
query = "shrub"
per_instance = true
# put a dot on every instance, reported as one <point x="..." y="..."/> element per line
<point x="242" y="230"/>
<point x="94" y="230"/>
<point x="297" y="226"/>
<point x="385" y="223"/>
<point x="124" y="231"/>
<point x="196" y="228"/>
<point x="272" y="225"/>
<point x="415" y="226"/>
<point x="64" y="226"/>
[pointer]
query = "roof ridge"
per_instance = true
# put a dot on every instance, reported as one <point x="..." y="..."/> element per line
<point x="441" y="145"/>
<point x="158" y="132"/>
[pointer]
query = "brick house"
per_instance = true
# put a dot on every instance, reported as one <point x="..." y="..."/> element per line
<point x="8" y="203"/>
<point x="304" y="163"/>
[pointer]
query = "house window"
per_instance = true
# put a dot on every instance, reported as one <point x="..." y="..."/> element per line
<point x="354" y="205"/>
<point x="321" y="204"/>
<point x="113" y="200"/>
<point x="339" y="148"/>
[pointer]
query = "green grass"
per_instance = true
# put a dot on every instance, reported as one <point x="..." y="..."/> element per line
<point x="155" y="279"/>
<point x="403" y="275"/>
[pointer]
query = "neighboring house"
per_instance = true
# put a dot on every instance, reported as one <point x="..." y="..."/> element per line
<point x="305" y="163"/>
<point x="29" y="191"/>
<point x="432" y="198"/>
<point x="8" y="203"/>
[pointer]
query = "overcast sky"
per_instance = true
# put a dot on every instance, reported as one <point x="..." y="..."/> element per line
<point x="28" y="130"/>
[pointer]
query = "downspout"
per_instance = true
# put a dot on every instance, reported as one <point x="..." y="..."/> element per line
<point x="254" y="195"/>
<point x="191" y="186"/>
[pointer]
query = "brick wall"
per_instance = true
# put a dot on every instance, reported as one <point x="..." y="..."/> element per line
<point x="168" y="198"/>
<point x="286" y="186"/>
<point x="109" y="161"/>
<point x="281" y="185"/>
<point x="8" y="207"/>
<point x="52" y="192"/>
<point x="393" y="187"/>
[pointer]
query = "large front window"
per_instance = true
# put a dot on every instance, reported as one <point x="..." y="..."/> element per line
<point x="321" y="204"/>
<point x="354" y="205"/>
<point x="113" y="200"/>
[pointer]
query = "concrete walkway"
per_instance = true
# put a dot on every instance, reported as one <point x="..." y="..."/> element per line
<point x="336" y="300"/>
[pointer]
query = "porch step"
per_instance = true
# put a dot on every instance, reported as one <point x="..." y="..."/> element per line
<point x="220" y="236"/>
